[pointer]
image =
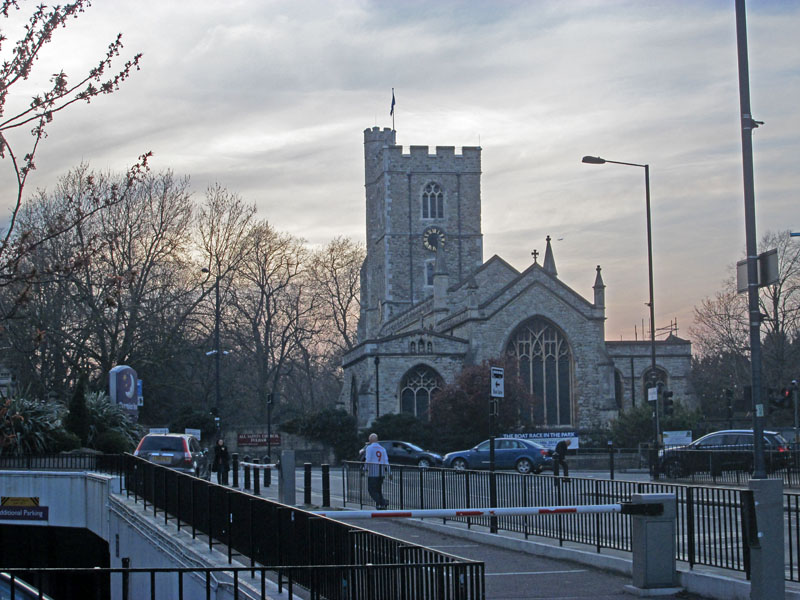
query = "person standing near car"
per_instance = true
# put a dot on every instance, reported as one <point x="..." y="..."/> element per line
<point x="221" y="462"/>
<point x="376" y="465"/>
<point x="560" y="457"/>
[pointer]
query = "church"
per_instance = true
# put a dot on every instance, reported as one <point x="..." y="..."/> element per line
<point x="431" y="306"/>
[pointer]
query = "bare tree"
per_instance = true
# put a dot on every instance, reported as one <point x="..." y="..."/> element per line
<point x="335" y="272"/>
<point x="721" y="330"/>
<point x="36" y="115"/>
<point x="120" y="295"/>
<point x="272" y="310"/>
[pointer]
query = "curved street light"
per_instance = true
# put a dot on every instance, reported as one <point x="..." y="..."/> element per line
<point x="596" y="160"/>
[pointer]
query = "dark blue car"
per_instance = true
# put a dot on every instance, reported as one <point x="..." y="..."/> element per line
<point x="509" y="453"/>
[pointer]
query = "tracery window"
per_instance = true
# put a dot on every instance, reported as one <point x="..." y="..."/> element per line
<point x="432" y="202"/>
<point x="416" y="389"/>
<point x="544" y="358"/>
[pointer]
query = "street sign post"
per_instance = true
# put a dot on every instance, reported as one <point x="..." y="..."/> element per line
<point x="498" y="382"/>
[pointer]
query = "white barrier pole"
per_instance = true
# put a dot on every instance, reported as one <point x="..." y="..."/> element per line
<point x="472" y="512"/>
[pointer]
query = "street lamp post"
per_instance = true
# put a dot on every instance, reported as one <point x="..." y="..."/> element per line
<point x="216" y="351"/>
<point x="596" y="160"/>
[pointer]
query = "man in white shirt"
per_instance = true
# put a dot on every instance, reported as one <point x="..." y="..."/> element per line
<point x="376" y="464"/>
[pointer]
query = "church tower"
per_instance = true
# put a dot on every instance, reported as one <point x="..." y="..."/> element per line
<point x="416" y="203"/>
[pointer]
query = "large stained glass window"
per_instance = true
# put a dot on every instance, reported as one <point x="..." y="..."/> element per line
<point x="545" y="367"/>
<point x="416" y="389"/>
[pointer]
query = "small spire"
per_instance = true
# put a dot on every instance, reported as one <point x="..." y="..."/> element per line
<point x="549" y="261"/>
<point x="440" y="264"/>
<point x="598" y="281"/>
<point x="599" y="290"/>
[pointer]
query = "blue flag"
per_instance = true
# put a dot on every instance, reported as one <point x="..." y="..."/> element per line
<point x="391" y="111"/>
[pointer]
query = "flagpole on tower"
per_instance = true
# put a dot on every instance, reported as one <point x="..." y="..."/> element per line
<point x="391" y="111"/>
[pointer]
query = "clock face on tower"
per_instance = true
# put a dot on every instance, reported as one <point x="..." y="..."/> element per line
<point x="433" y="238"/>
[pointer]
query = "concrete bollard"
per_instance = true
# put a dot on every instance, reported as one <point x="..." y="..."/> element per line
<point x="256" y="478"/>
<point x="236" y="470"/>
<point x="286" y="478"/>
<point x="653" y="541"/>
<point x="326" y="486"/>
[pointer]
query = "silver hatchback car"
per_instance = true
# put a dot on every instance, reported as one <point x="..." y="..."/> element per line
<point x="179" y="451"/>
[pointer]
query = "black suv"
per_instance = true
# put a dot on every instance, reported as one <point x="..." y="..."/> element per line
<point x="728" y="450"/>
<point x="406" y="453"/>
<point x="179" y="451"/>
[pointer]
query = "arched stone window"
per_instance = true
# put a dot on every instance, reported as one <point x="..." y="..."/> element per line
<point x="432" y="202"/>
<point x="545" y="367"/>
<point x="416" y="389"/>
<point x="413" y="348"/>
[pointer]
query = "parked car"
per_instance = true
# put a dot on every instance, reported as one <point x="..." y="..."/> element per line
<point x="727" y="450"/>
<point x="406" y="453"/>
<point x="509" y="453"/>
<point x="179" y="451"/>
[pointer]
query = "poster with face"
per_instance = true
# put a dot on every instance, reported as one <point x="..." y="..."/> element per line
<point x="123" y="389"/>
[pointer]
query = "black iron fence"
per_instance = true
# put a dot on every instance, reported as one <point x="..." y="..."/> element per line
<point x="437" y="580"/>
<point x="269" y="533"/>
<point x="104" y="463"/>
<point x="709" y="519"/>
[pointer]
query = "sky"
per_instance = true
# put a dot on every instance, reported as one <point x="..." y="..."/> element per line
<point x="270" y="99"/>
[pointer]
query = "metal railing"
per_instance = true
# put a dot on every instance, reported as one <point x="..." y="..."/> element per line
<point x="104" y="463"/>
<point x="709" y="519"/>
<point x="411" y="579"/>
<point x="269" y="533"/>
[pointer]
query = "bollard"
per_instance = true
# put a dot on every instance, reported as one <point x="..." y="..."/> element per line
<point x="246" y="473"/>
<point x="236" y="470"/>
<point x="611" y="458"/>
<point x="653" y="541"/>
<point x="307" y="483"/>
<point x="267" y="471"/>
<point x="286" y="478"/>
<point x="326" y="485"/>
<point x="256" y="479"/>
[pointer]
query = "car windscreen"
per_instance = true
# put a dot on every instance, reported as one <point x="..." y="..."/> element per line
<point x="156" y="443"/>
<point x="414" y="447"/>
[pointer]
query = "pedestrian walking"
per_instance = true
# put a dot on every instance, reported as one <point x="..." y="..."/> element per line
<point x="376" y="465"/>
<point x="560" y="457"/>
<point x="221" y="462"/>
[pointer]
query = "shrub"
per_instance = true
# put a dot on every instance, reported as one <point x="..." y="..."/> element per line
<point x="113" y="442"/>
<point x="335" y="428"/>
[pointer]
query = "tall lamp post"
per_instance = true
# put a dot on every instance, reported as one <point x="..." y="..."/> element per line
<point x="596" y="160"/>
<point x="215" y="351"/>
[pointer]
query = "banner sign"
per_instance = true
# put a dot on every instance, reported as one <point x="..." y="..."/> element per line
<point x="549" y="439"/>
<point x="258" y="439"/>
<point x="123" y="390"/>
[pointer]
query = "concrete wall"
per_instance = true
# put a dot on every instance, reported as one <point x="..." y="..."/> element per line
<point x="93" y="501"/>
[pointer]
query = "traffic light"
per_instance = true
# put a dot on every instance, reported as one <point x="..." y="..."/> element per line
<point x="668" y="402"/>
<point x="784" y="400"/>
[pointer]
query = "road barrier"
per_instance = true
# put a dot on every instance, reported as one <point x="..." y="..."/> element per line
<point x="626" y="508"/>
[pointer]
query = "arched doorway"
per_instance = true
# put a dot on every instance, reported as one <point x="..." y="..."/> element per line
<point x="544" y="358"/>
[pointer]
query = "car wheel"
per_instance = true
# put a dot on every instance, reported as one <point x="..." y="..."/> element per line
<point x="674" y="469"/>
<point x="459" y="464"/>
<point x="424" y="463"/>
<point x="524" y="466"/>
